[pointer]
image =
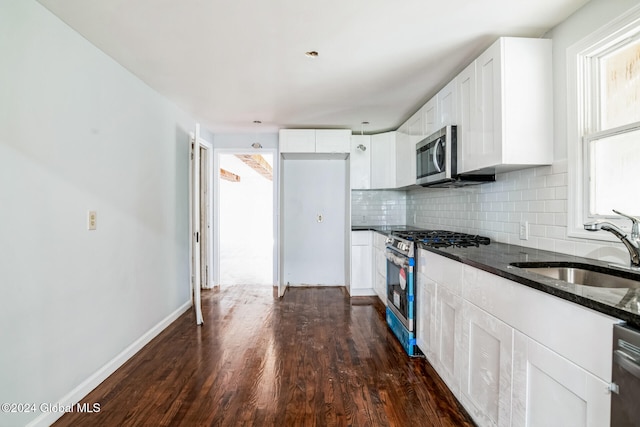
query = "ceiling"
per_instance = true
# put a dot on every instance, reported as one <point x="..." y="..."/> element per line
<point x="229" y="63"/>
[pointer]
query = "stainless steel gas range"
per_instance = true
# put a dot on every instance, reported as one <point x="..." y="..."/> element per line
<point x="401" y="263"/>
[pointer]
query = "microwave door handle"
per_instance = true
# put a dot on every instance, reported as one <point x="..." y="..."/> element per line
<point x="434" y="156"/>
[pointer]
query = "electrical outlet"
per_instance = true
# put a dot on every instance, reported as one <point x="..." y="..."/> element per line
<point x="92" y="220"/>
<point x="524" y="230"/>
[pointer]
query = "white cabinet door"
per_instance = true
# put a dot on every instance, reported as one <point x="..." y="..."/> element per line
<point x="488" y="147"/>
<point x="409" y="134"/>
<point x="415" y="126"/>
<point x="507" y="118"/>
<point x="431" y="117"/>
<point x="447" y="105"/>
<point x="383" y="160"/>
<point x="360" y="162"/>
<point x="448" y="358"/>
<point x="361" y="264"/>
<point x="549" y="390"/>
<point x="380" y="266"/>
<point x="426" y="291"/>
<point x="379" y="272"/>
<point x="485" y="384"/>
<point x="297" y="140"/>
<point x="315" y="140"/>
<point x="467" y="129"/>
<point x="333" y="140"/>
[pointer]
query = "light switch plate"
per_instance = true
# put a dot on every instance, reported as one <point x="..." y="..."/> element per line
<point x="524" y="230"/>
<point x="92" y="220"/>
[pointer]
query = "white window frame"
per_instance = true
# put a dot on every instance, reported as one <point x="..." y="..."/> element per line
<point x="582" y="118"/>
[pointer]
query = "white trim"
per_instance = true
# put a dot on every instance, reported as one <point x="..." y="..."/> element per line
<point x="578" y="61"/>
<point x="85" y="387"/>
<point x="210" y="200"/>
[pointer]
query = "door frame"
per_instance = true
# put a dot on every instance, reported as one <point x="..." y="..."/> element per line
<point x="217" y="152"/>
<point x="196" y="143"/>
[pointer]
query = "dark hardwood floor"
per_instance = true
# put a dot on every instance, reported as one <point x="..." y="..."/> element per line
<point x="313" y="358"/>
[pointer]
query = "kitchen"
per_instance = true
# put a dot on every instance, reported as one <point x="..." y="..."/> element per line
<point x="66" y="304"/>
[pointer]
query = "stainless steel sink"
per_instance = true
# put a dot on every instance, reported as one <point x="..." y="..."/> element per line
<point x="580" y="275"/>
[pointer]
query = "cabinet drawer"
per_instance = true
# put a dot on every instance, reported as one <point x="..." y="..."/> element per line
<point x="361" y="238"/>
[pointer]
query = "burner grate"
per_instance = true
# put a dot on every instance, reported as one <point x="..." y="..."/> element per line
<point x="444" y="239"/>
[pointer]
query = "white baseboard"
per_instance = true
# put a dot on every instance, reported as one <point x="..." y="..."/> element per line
<point x="84" y="388"/>
<point x="363" y="292"/>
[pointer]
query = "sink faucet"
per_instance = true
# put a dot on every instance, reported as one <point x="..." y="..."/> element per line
<point x="631" y="241"/>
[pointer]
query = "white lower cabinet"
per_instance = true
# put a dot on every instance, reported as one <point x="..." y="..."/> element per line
<point x="361" y="264"/>
<point x="380" y="266"/>
<point x="485" y="385"/>
<point x="513" y="355"/>
<point x="549" y="390"/>
<point x="448" y="358"/>
<point x="426" y="292"/>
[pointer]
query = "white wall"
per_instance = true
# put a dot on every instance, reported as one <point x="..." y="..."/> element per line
<point x="79" y="132"/>
<point x="537" y="195"/>
<point x="314" y="252"/>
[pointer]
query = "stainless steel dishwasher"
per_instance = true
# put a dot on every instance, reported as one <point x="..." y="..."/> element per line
<point x="625" y="407"/>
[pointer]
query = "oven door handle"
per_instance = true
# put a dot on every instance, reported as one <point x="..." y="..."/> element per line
<point x="396" y="259"/>
<point x="626" y="363"/>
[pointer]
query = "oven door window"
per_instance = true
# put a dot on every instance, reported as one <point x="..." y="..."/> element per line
<point x="397" y="288"/>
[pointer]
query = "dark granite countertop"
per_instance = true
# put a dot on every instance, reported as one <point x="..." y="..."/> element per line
<point x="497" y="257"/>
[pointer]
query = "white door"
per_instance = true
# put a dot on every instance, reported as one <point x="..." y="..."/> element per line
<point x="314" y="222"/>
<point x="194" y="224"/>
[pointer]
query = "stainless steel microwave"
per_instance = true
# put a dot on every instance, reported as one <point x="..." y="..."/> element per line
<point x="437" y="161"/>
<point x="436" y="158"/>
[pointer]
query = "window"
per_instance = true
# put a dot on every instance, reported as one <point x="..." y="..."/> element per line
<point x="604" y="136"/>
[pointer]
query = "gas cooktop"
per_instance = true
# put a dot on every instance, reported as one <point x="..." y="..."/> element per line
<point x="442" y="238"/>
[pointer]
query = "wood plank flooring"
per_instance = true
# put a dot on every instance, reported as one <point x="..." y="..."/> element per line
<point x="312" y="358"/>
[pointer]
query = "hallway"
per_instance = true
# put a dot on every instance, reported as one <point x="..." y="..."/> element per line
<point x="313" y="358"/>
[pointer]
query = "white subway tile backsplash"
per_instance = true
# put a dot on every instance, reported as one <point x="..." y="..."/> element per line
<point x="378" y="207"/>
<point x="537" y="195"/>
<point x="557" y="180"/>
<point x="555" y="205"/>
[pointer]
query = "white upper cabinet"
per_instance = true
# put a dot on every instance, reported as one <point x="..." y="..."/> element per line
<point x="447" y="106"/>
<point x="431" y="118"/>
<point x="297" y="141"/>
<point x="467" y="117"/>
<point x="333" y="140"/>
<point x="360" y="162"/>
<point x="315" y="140"/>
<point x="383" y="160"/>
<point x="408" y="135"/>
<point x="505" y="113"/>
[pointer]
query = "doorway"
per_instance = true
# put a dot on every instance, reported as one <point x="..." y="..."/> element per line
<point x="245" y="217"/>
